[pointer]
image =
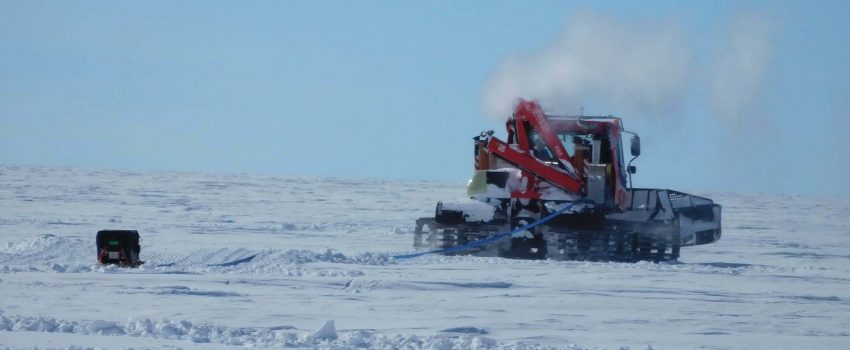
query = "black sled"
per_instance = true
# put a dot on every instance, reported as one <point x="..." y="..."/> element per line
<point x="118" y="247"/>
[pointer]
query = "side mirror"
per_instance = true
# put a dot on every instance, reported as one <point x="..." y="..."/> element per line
<point x="632" y="169"/>
<point x="635" y="146"/>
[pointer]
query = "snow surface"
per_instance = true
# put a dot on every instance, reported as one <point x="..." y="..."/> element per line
<point x="318" y="272"/>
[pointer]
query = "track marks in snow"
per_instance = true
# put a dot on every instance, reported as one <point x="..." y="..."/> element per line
<point x="360" y="285"/>
<point x="465" y="330"/>
<point x="708" y="268"/>
<point x="181" y="291"/>
<point x="46" y="248"/>
<point x="50" y="253"/>
<point x="280" y="336"/>
<point x="703" y="296"/>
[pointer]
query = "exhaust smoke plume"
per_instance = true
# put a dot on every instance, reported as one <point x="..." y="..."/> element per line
<point x="640" y="68"/>
<point x="636" y="68"/>
<point x="738" y="73"/>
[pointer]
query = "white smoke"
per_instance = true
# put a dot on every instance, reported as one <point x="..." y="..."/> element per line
<point x="737" y="77"/>
<point x="639" y="68"/>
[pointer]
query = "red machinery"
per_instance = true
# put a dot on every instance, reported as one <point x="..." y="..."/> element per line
<point x="550" y="162"/>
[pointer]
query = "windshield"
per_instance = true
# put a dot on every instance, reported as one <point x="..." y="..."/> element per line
<point x="541" y="151"/>
<point x="583" y="142"/>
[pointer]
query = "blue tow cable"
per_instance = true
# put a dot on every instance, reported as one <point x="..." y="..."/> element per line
<point x="488" y="240"/>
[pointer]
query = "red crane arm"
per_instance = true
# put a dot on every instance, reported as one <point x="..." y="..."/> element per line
<point x="530" y="111"/>
<point x="524" y="161"/>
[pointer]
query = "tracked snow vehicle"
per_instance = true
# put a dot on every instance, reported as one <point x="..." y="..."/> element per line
<point x="569" y="170"/>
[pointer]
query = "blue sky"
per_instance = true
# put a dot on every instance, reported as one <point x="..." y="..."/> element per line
<point x="393" y="89"/>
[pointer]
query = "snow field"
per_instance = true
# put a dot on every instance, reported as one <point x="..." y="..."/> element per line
<point x="320" y="250"/>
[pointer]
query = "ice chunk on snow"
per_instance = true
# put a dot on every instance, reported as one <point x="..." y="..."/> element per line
<point x="105" y="328"/>
<point x="327" y="332"/>
<point x="483" y="343"/>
